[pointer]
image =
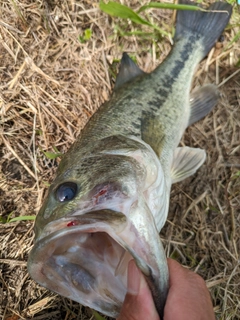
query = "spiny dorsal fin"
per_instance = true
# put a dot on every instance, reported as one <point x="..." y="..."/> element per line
<point x="202" y="101"/>
<point x="186" y="161"/>
<point x="128" y="70"/>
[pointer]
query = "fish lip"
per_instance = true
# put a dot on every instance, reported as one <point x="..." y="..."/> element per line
<point x="86" y="222"/>
<point x="46" y="246"/>
<point x="61" y="228"/>
<point x="80" y="218"/>
<point x="122" y="232"/>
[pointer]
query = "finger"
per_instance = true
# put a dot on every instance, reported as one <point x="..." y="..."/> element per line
<point x="188" y="296"/>
<point x="138" y="303"/>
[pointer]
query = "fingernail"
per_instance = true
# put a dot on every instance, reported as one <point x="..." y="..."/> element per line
<point x="134" y="278"/>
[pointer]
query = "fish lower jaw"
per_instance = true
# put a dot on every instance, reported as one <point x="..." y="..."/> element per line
<point x="84" y="263"/>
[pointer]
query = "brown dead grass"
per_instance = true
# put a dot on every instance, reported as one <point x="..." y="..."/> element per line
<point x="50" y="84"/>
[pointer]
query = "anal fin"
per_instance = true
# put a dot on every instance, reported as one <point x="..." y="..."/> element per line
<point x="186" y="161"/>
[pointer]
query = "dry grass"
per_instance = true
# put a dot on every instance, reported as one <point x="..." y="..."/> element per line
<point x="50" y="84"/>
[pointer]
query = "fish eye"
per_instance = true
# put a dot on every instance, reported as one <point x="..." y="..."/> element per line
<point x="66" y="191"/>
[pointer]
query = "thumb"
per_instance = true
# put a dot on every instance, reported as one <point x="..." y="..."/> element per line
<point x="138" y="303"/>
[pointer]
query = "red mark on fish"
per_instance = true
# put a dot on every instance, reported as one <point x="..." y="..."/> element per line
<point x="72" y="223"/>
<point x="102" y="192"/>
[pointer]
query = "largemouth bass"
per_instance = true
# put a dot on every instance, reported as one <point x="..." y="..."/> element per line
<point x="110" y="197"/>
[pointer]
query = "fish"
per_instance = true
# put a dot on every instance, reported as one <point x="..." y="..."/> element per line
<point x="110" y="197"/>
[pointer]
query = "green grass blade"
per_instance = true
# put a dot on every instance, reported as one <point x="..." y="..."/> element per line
<point x="97" y="315"/>
<point x="22" y="218"/>
<point x="7" y="219"/>
<point x="170" y="6"/>
<point x="52" y="155"/>
<point x="121" y="11"/>
<point x="18" y="11"/>
<point x="56" y="149"/>
<point x="87" y="36"/>
<point x="235" y="39"/>
<point x="138" y="33"/>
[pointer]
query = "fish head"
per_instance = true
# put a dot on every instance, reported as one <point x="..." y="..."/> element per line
<point x="94" y="220"/>
<point x="92" y="183"/>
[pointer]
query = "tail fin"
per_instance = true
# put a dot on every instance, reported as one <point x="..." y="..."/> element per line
<point x="206" y="25"/>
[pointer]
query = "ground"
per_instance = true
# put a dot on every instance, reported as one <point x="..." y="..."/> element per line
<point x="58" y="65"/>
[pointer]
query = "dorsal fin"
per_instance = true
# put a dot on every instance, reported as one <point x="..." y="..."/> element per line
<point x="128" y="70"/>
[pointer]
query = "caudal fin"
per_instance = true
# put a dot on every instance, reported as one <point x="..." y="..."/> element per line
<point x="207" y="26"/>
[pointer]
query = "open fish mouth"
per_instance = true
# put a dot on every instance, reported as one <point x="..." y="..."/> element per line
<point x="86" y="259"/>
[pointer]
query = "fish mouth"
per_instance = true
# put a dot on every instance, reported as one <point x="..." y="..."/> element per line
<point x="85" y="258"/>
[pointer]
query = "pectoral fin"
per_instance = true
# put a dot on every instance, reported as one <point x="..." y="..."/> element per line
<point x="202" y="101"/>
<point x="186" y="161"/>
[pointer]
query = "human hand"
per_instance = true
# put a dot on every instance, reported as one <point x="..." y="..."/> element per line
<point x="188" y="297"/>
